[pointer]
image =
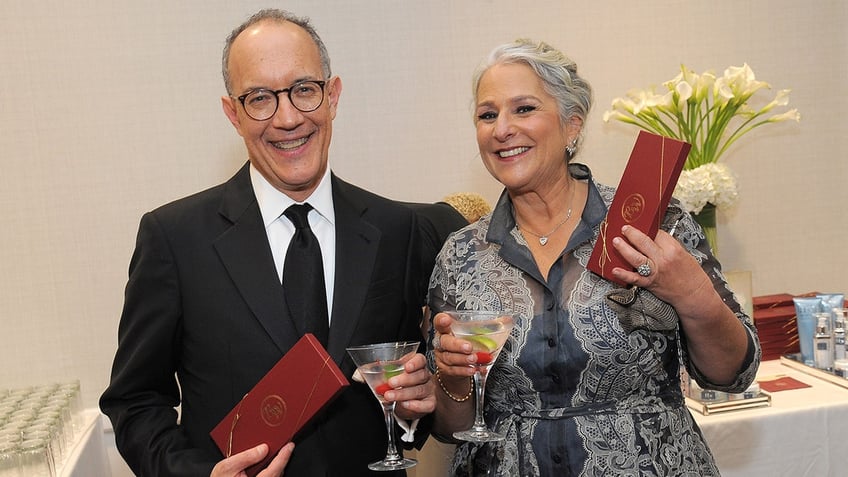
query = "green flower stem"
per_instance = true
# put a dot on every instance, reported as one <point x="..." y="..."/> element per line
<point x="706" y="218"/>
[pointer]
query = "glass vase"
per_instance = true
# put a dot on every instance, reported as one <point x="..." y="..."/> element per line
<point x="706" y="218"/>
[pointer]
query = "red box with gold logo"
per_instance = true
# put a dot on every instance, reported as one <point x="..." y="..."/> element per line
<point x="642" y="197"/>
<point x="302" y="382"/>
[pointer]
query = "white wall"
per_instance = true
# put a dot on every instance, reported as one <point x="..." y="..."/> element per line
<point x="110" y="108"/>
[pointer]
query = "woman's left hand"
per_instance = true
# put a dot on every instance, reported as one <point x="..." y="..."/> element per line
<point x="668" y="270"/>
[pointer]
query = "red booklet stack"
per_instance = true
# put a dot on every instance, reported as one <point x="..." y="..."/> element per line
<point x="775" y="319"/>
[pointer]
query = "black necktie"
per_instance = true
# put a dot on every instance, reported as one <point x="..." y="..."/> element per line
<point x="303" y="277"/>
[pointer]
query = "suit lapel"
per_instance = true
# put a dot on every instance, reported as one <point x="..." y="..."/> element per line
<point x="245" y="253"/>
<point x="357" y="243"/>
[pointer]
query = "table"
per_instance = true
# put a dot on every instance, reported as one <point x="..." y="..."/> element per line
<point x="803" y="433"/>
<point x="86" y="456"/>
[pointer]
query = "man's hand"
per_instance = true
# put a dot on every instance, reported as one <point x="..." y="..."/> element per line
<point x="413" y="390"/>
<point x="234" y="465"/>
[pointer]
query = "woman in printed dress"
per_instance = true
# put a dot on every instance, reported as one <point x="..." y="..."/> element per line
<point x="588" y="382"/>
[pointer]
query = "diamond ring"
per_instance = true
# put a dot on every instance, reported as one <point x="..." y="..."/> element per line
<point x="644" y="269"/>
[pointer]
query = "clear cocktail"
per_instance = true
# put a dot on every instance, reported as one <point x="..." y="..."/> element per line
<point x="487" y="331"/>
<point x="377" y="363"/>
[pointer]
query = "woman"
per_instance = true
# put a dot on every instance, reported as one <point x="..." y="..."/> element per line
<point x="586" y="384"/>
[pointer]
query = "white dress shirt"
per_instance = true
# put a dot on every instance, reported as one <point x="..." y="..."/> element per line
<point x="280" y="230"/>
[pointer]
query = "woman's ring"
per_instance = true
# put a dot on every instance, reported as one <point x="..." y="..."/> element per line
<point x="437" y="341"/>
<point x="644" y="269"/>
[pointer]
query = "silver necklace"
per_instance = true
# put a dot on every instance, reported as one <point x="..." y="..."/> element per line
<point x="543" y="239"/>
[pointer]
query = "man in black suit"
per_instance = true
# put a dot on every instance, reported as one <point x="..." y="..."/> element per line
<point x="205" y="314"/>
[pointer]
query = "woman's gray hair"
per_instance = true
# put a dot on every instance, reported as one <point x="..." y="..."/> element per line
<point x="280" y="16"/>
<point x="557" y="72"/>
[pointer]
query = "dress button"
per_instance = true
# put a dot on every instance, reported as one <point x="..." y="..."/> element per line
<point x="555" y="378"/>
<point x="556" y="458"/>
<point x="551" y="342"/>
<point x="550" y="305"/>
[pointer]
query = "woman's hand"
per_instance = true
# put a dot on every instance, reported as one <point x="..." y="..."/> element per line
<point x="454" y="355"/>
<point x="675" y="276"/>
<point x="234" y="465"/>
<point x="454" y="361"/>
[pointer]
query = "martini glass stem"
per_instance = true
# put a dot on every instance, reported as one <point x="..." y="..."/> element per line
<point x="391" y="451"/>
<point x="480" y="391"/>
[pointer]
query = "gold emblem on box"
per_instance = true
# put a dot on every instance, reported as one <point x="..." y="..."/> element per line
<point x="632" y="208"/>
<point x="272" y="409"/>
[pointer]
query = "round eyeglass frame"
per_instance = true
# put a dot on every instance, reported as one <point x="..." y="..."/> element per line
<point x="288" y="91"/>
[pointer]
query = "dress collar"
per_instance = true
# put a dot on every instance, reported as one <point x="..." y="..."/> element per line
<point x="503" y="217"/>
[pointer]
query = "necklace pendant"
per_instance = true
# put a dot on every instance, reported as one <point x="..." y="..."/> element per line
<point x="543" y="241"/>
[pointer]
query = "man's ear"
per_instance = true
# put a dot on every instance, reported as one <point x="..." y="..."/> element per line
<point x="334" y="91"/>
<point x="229" y="105"/>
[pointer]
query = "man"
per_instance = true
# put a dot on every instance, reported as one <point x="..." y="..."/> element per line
<point x="205" y="314"/>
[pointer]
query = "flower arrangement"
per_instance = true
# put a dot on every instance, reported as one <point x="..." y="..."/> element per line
<point x="710" y="113"/>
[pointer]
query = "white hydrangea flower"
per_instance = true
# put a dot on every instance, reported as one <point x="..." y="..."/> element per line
<point x="712" y="183"/>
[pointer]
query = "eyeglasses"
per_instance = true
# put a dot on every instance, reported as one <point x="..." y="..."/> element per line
<point x="261" y="104"/>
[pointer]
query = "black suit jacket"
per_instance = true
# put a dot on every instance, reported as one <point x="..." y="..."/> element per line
<point x="435" y="223"/>
<point x="205" y="318"/>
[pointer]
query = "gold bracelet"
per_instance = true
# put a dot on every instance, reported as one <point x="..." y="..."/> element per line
<point x="463" y="398"/>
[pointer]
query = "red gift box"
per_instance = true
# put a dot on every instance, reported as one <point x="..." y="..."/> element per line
<point x="777" y="328"/>
<point x="772" y="301"/>
<point x="302" y="382"/>
<point x="774" y="315"/>
<point x="642" y="197"/>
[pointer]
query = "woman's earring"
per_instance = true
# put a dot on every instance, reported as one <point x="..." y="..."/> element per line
<point x="571" y="148"/>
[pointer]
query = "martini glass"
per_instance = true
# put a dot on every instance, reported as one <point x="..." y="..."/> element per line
<point x="377" y="363"/>
<point x="487" y="332"/>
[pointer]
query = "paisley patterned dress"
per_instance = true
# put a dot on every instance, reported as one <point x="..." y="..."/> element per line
<point x="572" y="391"/>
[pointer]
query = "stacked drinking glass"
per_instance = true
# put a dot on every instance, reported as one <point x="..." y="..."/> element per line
<point x="38" y="424"/>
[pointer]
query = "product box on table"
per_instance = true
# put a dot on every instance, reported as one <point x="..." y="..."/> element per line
<point x="302" y="382"/>
<point x="776" y="351"/>
<point x="775" y="320"/>
<point x="775" y="314"/>
<point x="784" y="340"/>
<point x="774" y="339"/>
<point x="641" y="199"/>
<point x="772" y="301"/>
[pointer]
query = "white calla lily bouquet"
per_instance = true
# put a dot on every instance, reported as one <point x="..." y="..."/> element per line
<point x="710" y="113"/>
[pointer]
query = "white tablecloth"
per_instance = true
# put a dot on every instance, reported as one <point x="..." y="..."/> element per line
<point x="803" y="433"/>
<point x="86" y="457"/>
